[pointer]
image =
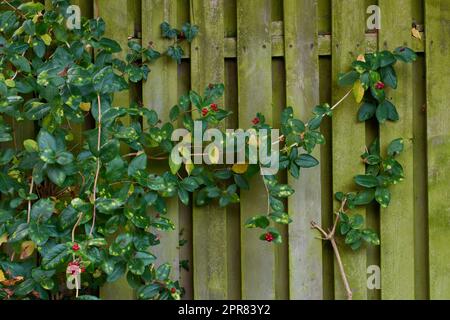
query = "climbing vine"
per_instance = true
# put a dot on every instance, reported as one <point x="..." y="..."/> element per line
<point x="89" y="213"/>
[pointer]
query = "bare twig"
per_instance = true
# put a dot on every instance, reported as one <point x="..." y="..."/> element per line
<point x="330" y="236"/>
<point x="97" y="171"/>
<point x="29" y="201"/>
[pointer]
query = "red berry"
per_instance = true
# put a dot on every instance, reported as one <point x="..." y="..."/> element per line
<point x="268" y="237"/>
<point x="205" y="111"/>
<point x="379" y="85"/>
<point x="83" y="270"/>
<point x="214" y="107"/>
<point x="173" y="290"/>
<point x="255" y="121"/>
<point x="402" y="49"/>
<point x="75" y="247"/>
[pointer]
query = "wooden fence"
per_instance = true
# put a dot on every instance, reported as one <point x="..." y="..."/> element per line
<point x="273" y="53"/>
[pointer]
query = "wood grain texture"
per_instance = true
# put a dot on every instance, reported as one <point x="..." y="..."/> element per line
<point x="255" y="94"/>
<point x="119" y="17"/>
<point x="302" y="93"/>
<point x="437" y="19"/>
<point x="348" y="41"/>
<point x="210" y="222"/>
<point x="158" y="94"/>
<point x="397" y="220"/>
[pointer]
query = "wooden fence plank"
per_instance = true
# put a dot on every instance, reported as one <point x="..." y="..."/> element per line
<point x="255" y="94"/>
<point x="348" y="40"/>
<point x="397" y="221"/>
<point x="302" y="92"/>
<point x="159" y="94"/>
<point x="210" y="222"/>
<point x="420" y="181"/>
<point x="437" y="19"/>
<point x="119" y="18"/>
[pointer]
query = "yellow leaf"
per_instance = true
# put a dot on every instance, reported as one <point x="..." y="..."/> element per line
<point x="416" y="33"/>
<point x="214" y="154"/>
<point x="27" y="249"/>
<point x="240" y="168"/>
<point x="361" y="58"/>
<point x="3" y="239"/>
<point x="189" y="167"/>
<point x="85" y="106"/>
<point x="10" y="83"/>
<point x="47" y="39"/>
<point x="358" y="91"/>
<point x="2" y="276"/>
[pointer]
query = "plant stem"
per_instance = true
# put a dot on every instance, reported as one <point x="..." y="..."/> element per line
<point x="330" y="236"/>
<point x="29" y="201"/>
<point x="97" y="171"/>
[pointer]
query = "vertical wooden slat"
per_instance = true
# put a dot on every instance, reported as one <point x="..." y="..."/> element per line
<point x="348" y="40"/>
<point x="437" y="21"/>
<point x="119" y="19"/>
<point x="397" y="221"/>
<point x="326" y="175"/>
<point x="420" y="181"/>
<point x="86" y="7"/>
<point x="158" y="94"/>
<point x="210" y="222"/>
<point x="233" y="211"/>
<point x="302" y="92"/>
<point x="255" y="94"/>
<point x="185" y="214"/>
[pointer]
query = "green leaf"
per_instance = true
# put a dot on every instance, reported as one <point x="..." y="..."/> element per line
<point x="383" y="196"/>
<point x="148" y="291"/>
<point x="176" y="53"/>
<point x="46" y="140"/>
<point x="30" y="145"/>
<point x="280" y="217"/>
<point x="367" y="181"/>
<point x="146" y="257"/>
<point x="109" y="45"/>
<point x="364" y="197"/>
<point x="306" y="161"/>
<point x="118" y="271"/>
<point x="386" y="58"/>
<point x="56" y="175"/>
<point x="389" y="76"/>
<point x="190" y="31"/>
<point x="64" y="158"/>
<point x="257" y="222"/>
<point x="395" y="147"/>
<point x="56" y="256"/>
<point x="347" y="79"/>
<point x="136" y="266"/>
<point x="382" y="112"/>
<point x="282" y="191"/>
<point x="21" y="63"/>
<point x="167" y="31"/>
<point x="405" y="54"/>
<point x="163" y="271"/>
<point x="138" y="163"/>
<point x="25" y="287"/>
<point x="357" y="221"/>
<point x="366" y="111"/>
<point x="174" y="167"/>
<point x="42" y="210"/>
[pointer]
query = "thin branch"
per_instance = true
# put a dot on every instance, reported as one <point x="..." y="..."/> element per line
<point x="267" y="190"/>
<point x="97" y="171"/>
<point x="29" y="201"/>
<point x="15" y="9"/>
<point x="330" y="236"/>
